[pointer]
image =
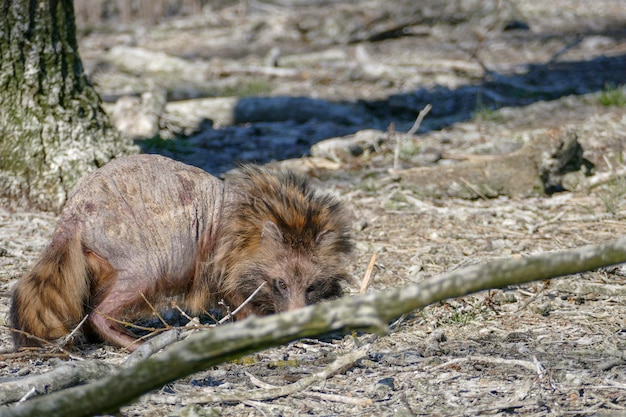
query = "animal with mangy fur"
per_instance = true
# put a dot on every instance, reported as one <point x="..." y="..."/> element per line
<point x="144" y="230"/>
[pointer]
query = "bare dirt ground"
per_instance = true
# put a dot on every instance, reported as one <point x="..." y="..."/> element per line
<point x="549" y="348"/>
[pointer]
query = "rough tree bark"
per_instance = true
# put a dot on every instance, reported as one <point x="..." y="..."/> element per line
<point x="52" y="126"/>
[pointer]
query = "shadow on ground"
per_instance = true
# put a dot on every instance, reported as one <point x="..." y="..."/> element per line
<point x="278" y="128"/>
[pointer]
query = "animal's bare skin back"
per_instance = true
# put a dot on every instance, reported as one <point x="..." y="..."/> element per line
<point x="146" y="216"/>
<point x="132" y="235"/>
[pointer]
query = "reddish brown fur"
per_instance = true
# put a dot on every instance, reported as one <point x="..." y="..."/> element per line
<point x="149" y="228"/>
<point x="282" y="233"/>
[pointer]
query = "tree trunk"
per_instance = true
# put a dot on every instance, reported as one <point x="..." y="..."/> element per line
<point x="53" y="129"/>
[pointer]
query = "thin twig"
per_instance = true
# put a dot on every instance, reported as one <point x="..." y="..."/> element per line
<point x="414" y="128"/>
<point x="533" y="228"/>
<point x="473" y="188"/>
<point x="420" y="118"/>
<point x="396" y="323"/>
<point x="71" y="334"/>
<point x="541" y="370"/>
<point x="182" y="312"/>
<point x="534" y="296"/>
<point x="269" y="391"/>
<point x="578" y="39"/>
<point x="337" y="398"/>
<point x="154" y="310"/>
<point x="246" y="301"/>
<point x="368" y="275"/>
<point x="170" y="335"/>
<point x="486" y="359"/>
<point x="33" y="391"/>
<point x="130" y="324"/>
<point x="156" y="343"/>
<point x="44" y="342"/>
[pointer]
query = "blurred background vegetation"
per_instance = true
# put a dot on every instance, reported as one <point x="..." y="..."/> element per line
<point x="95" y="13"/>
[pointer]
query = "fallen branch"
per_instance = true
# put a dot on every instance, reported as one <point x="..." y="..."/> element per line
<point x="371" y="311"/>
<point x="268" y="391"/>
<point x="67" y="375"/>
<point x="604" y="178"/>
<point x="535" y="169"/>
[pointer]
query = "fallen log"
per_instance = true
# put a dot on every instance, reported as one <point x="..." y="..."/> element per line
<point x="535" y="169"/>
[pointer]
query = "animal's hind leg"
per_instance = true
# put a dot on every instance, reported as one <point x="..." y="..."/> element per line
<point x="104" y="318"/>
<point x="108" y="302"/>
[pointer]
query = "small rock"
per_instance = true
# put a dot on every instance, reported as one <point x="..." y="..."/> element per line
<point x="358" y="226"/>
<point x="437" y="336"/>
<point x="389" y="382"/>
<point x="593" y="43"/>
<point x="345" y="148"/>
<point x="544" y="309"/>
<point x="139" y="117"/>
<point x="433" y="343"/>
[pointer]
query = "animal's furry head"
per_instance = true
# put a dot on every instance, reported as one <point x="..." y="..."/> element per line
<point x="281" y="232"/>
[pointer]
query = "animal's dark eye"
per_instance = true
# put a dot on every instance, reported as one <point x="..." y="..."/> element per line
<point x="282" y="284"/>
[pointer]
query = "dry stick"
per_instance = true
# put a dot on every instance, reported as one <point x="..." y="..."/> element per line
<point x="533" y="228"/>
<point x="578" y="39"/>
<point x="242" y="305"/>
<point x="371" y="311"/>
<point x="368" y="275"/>
<point x="153" y="331"/>
<point x="485" y="359"/>
<point x="66" y="375"/>
<point x="155" y="311"/>
<point x="156" y="343"/>
<point x="177" y="333"/>
<point x="172" y="335"/>
<point x="318" y="395"/>
<point x="506" y="406"/>
<point x="533" y="297"/>
<point x="268" y="391"/>
<point x="608" y="163"/>
<point x="33" y="391"/>
<point x="182" y="312"/>
<point x="604" y="177"/>
<point x="391" y="130"/>
<point x="36" y="353"/>
<point x="414" y="128"/>
<point x="44" y="342"/>
<point x="128" y="323"/>
<point x="71" y="334"/>
<point x="607" y="365"/>
<point x="336" y="398"/>
<point x="473" y="188"/>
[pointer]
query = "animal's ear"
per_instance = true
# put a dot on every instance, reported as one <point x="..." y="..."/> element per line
<point x="334" y="240"/>
<point x="271" y="233"/>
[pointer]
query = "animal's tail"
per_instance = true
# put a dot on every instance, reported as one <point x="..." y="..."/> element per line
<point x="51" y="299"/>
